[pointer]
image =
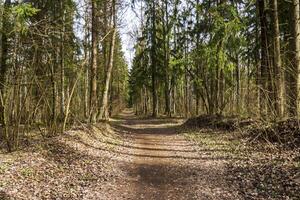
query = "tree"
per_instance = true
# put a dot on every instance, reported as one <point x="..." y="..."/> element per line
<point x="278" y="83"/>
<point x="153" y="56"/>
<point x="94" y="64"/>
<point x="294" y="66"/>
<point x="264" y="57"/>
<point x="3" y="69"/>
<point x="104" y="115"/>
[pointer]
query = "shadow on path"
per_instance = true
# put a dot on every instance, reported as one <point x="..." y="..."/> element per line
<point x="164" y="165"/>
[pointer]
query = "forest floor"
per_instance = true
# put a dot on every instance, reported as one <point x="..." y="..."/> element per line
<point x="134" y="158"/>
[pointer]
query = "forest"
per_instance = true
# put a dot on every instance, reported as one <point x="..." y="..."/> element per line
<point x="202" y="102"/>
<point x="224" y="57"/>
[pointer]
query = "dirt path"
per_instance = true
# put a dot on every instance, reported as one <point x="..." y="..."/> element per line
<point x="147" y="159"/>
<point x="165" y="166"/>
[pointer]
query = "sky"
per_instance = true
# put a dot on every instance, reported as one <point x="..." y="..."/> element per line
<point x="129" y="22"/>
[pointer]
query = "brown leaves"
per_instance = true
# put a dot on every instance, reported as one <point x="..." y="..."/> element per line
<point x="66" y="167"/>
<point x="256" y="171"/>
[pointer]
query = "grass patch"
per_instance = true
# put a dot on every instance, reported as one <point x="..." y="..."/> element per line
<point x="4" y="167"/>
<point x="88" y="177"/>
<point x="27" y="172"/>
<point x="222" y="144"/>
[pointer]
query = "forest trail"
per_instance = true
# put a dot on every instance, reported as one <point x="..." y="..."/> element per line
<point x="153" y="159"/>
<point x="165" y="165"/>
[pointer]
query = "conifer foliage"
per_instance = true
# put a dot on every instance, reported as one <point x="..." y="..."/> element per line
<point x="217" y="57"/>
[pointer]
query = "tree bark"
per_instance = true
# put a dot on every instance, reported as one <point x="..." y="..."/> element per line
<point x="153" y="62"/>
<point x="62" y="61"/>
<point x="166" y="60"/>
<point x="278" y="79"/>
<point x="103" y="114"/>
<point x="3" y="72"/>
<point x="93" y="92"/>
<point x="237" y="88"/>
<point x="292" y="72"/>
<point x="264" y="59"/>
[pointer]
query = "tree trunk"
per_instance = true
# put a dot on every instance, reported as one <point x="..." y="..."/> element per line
<point x="257" y="62"/>
<point x="87" y="68"/>
<point x="53" y="108"/>
<point x="93" y="92"/>
<point x="62" y="61"/>
<point x="3" y="72"/>
<point x="264" y="59"/>
<point x="153" y="62"/>
<point x="103" y="114"/>
<point x="166" y="59"/>
<point x="278" y="79"/>
<point x="237" y="88"/>
<point x="197" y="88"/>
<point x="292" y="73"/>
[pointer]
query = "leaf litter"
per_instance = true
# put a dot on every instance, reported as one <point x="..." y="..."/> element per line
<point x="150" y="159"/>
